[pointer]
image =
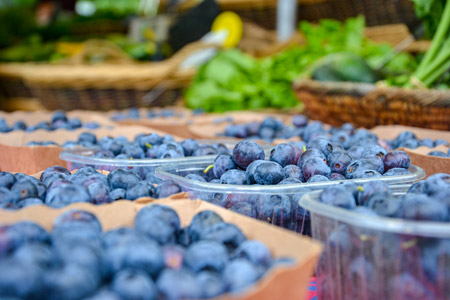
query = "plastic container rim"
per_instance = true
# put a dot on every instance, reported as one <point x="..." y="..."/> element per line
<point x="83" y="156"/>
<point x="394" y="225"/>
<point x="163" y="172"/>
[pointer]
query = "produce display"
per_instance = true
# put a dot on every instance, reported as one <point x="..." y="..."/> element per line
<point x="57" y="187"/>
<point x="393" y="246"/>
<point x="77" y="260"/>
<point x="59" y="120"/>
<point x="346" y="135"/>
<point x="333" y="51"/>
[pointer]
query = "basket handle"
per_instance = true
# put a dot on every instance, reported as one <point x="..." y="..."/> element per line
<point x="112" y="52"/>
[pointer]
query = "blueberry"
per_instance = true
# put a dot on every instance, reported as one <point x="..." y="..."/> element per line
<point x="143" y="254"/>
<point x="342" y="138"/>
<point x="289" y="181"/>
<point x="308" y="154"/>
<point x="419" y="187"/>
<point x="252" y="128"/>
<point x="66" y="194"/>
<point x="238" y="131"/>
<point x="121" y="236"/>
<point x="178" y="284"/>
<point x="202" y="221"/>
<point x="299" y="120"/>
<point x="437" y="153"/>
<point x="77" y="218"/>
<point x="318" y="178"/>
<point x="233" y="177"/>
<point x="396" y="159"/>
<point x="53" y="178"/>
<point x="158" y="222"/>
<point x="439" y="142"/>
<point x="284" y="154"/>
<point x="195" y="177"/>
<point x="37" y="254"/>
<point x="4" y="126"/>
<point x="370" y="188"/>
<point x="7" y="198"/>
<point x="69" y="282"/>
<point x="243" y="208"/>
<point x="99" y="193"/>
<point x="189" y="146"/>
<point x="377" y="162"/>
<point x="19" y="125"/>
<point x="167" y="188"/>
<point x="206" y="255"/>
<point x="133" y="151"/>
<point x="227" y="234"/>
<point x="384" y="204"/>
<point x="222" y="164"/>
<point x="421" y="208"/>
<point x="150" y="140"/>
<point x="29" y="202"/>
<point x="122" y="178"/>
<point x="134" y="285"/>
<point x="13" y="236"/>
<point x="19" y="280"/>
<point x="250" y="172"/>
<point x="211" y="283"/>
<point x="315" y="166"/>
<point x="117" y="194"/>
<point x="7" y="180"/>
<point x="255" y="252"/>
<point x="221" y="148"/>
<point x="293" y="171"/>
<point x="437" y="182"/>
<point x="87" y="137"/>
<point x="23" y="189"/>
<point x="397" y="172"/>
<point x="323" y="145"/>
<point x="338" y="196"/>
<point x="337" y="176"/>
<point x="205" y="150"/>
<point x="366" y="174"/>
<point x="140" y="190"/>
<point x="339" y="161"/>
<point x="245" y="152"/>
<point x="268" y="173"/>
<point x="239" y="275"/>
<point x="274" y="209"/>
<point x="358" y="166"/>
<point x="313" y="128"/>
<point x="427" y="143"/>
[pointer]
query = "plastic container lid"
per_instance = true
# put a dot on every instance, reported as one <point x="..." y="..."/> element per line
<point x="172" y="171"/>
<point x="420" y="228"/>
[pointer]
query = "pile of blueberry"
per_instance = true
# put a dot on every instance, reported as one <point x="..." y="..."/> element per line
<point x="135" y="114"/>
<point x="143" y="146"/>
<point x="370" y="264"/>
<point x="319" y="160"/>
<point x="59" y="120"/>
<point x="156" y="259"/>
<point x="427" y="200"/>
<point x="346" y="135"/>
<point x="57" y="187"/>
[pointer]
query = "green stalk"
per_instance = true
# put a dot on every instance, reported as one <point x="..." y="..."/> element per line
<point x="438" y="61"/>
<point x="437" y="74"/>
<point x="438" y="38"/>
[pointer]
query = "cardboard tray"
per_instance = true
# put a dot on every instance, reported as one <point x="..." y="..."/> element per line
<point x="282" y="283"/>
<point x="16" y="157"/>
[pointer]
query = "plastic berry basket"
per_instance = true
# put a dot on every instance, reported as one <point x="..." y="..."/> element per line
<point x="82" y="157"/>
<point x="371" y="257"/>
<point x="247" y="199"/>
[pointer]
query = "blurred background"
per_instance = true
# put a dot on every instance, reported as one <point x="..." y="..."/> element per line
<point x="216" y="55"/>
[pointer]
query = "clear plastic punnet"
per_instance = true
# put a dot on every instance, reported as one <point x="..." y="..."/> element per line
<point x="276" y="204"/>
<point x="372" y="257"/>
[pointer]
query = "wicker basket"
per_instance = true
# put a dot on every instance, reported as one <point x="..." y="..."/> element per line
<point x="11" y="81"/>
<point x="380" y="12"/>
<point x="110" y="86"/>
<point x="367" y="105"/>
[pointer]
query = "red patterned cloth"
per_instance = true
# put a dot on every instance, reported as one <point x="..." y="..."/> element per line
<point x="312" y="290"/>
